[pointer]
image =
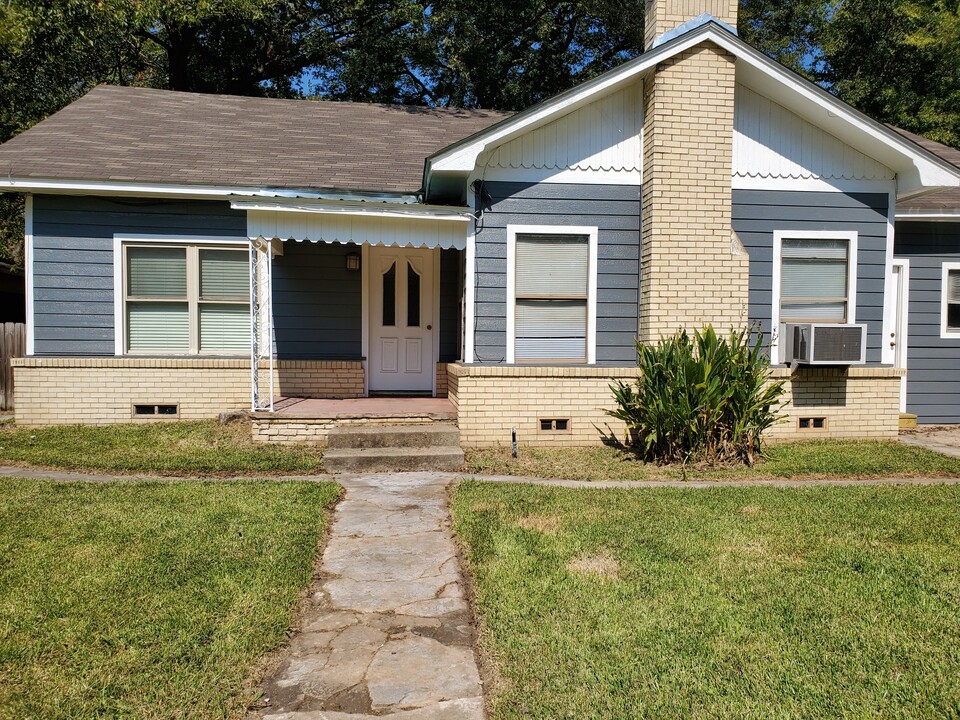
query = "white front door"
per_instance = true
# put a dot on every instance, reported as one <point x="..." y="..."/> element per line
<point x="401" y="320"/>
<point x="898" y="339"/>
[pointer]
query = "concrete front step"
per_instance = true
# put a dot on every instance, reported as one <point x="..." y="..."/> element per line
<point x="425" y="435"/>
<point x="392" y="459"/>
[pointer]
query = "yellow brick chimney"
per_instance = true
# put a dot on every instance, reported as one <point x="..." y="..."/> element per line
<point x="694" y="270"/>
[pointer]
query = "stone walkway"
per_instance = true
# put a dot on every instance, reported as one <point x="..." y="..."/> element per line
<point x="945" y="439"/>
<point x="389" y="632"/>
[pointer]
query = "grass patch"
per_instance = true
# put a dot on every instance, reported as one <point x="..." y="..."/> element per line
<point x="163" y="448"/>
<point x="147" y="600"/>
<point x="727" y="602"/>
<point x="812" y="459"/>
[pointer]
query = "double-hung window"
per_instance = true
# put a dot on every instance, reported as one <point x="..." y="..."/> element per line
<point x="950" y="301"/>
<point x="186" y="299"/>
<point x="816" y="279"/>
<point x="552" y="283"/>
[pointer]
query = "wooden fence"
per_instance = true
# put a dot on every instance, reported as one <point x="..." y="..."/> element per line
<point x="13" y="343"/>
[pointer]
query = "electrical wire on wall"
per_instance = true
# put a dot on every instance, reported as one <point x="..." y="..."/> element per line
<point x="483" y="201"/>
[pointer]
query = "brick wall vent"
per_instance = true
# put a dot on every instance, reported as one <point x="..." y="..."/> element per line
<point x="167" y="410"/>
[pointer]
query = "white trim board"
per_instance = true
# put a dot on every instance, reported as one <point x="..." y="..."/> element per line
<point x="28" y="270"/>
<point x="902" y="338"/>
<point x="931" y="216"/>
<point x="592" y="232"/>
<point x="945" y="333"/>
<point x="889" y="311"/>
<point x="209" y="192"/>
<point x="778" y="237"/>
<point x="470" y="284"/>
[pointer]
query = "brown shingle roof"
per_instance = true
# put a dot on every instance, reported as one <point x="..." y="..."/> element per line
<point x="943" y="199"/>
<point x="158" y="136"/>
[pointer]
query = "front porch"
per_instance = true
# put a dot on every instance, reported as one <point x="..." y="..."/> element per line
<point x="297" y="420"/>
<point x="378" y="286"/>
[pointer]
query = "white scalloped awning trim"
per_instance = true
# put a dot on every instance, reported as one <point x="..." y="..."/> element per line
<point x="391" y="230"/>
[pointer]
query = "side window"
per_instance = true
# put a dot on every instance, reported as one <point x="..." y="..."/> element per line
<point x="950" y="301"/>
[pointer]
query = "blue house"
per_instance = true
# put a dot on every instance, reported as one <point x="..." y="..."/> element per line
<point x="189" y="254"/>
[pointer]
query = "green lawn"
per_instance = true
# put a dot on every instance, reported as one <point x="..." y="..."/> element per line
<point x="811" y="459"/>
<point x="729" y="602"/>
<point x="147" y="599"/>
<point x="167" y="448"/>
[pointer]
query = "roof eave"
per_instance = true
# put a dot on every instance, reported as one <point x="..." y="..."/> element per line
<point x="124" y="188"/>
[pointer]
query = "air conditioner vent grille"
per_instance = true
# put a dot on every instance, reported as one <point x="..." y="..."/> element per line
<point x="838" y="344"/>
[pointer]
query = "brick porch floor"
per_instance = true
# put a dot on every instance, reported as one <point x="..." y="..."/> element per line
<point x="434" y="408"/>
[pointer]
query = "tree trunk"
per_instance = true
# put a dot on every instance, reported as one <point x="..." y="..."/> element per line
<point x="180" y="43"/>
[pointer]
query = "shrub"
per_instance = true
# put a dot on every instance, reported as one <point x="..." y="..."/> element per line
<point x="700" y="399"/>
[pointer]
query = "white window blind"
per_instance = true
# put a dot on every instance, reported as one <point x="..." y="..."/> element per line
<point x="224" y="327"/>
<point x="157" y="272"/>
<point x="224" y="274"/>
<point x="158" y="326"/>
<point x="551" y="297"/>
<point x="186" y="299"/>
<point x="814" y="280"/>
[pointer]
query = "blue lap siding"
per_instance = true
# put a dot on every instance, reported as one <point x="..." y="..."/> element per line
<point x="73" y="291"/>
<point x="613" y="209"/>
<point x="933" y="363"/>
<point x="316" y="303"/>
<point x="758" y="213"/>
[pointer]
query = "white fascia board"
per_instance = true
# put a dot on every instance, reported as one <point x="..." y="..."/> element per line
<point x="201" y="192"/>
<point x="366" y="209"/>
<point x="917" y="168"/>
<point x="929" y="215"/>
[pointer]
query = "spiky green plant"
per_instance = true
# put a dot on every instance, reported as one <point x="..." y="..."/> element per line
<point x="700" y="399"/>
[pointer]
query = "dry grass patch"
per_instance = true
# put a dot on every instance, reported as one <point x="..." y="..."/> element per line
<point x="546" y="524"/>
<point x="751" y="510"/>
<point x="600" y="565"/>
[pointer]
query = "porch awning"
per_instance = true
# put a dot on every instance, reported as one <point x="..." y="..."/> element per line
<point x="393" y="224"/>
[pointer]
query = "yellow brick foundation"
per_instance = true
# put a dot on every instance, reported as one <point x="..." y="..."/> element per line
<point x="441" y="379"/>
<point x="856" y="402"/>
<point x="491" y="400"/>
<point x="104" y="390"/>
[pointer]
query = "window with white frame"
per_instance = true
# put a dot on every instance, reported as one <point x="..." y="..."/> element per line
<point x="551" y="295"/>
<point x="815" y="279"/>
<point x="186" y="299"/>
<point x="950" y="301"/>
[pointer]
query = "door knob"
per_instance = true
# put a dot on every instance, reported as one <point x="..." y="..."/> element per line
<point x="429" y="327"/>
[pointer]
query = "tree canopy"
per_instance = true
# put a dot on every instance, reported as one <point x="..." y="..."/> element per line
<point x="897" y="60"/>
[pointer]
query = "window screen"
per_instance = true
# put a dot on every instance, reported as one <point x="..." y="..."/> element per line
<point x="551" y="297"/>
<point x="813" y="280"/>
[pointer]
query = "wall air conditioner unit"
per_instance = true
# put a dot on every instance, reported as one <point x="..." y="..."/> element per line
<point x="825" y="344"/>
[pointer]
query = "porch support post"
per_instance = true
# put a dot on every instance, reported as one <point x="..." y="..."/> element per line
<point x="261" y="323"/>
